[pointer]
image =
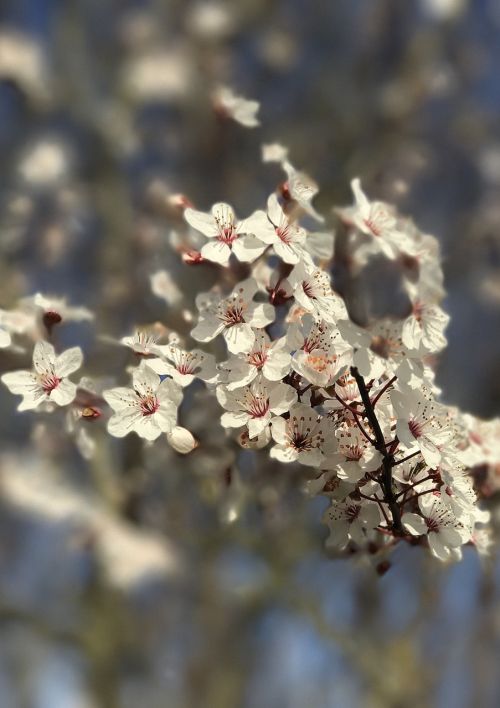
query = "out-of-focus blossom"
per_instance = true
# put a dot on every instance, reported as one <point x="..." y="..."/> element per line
<point x="22" y="61"/>
<point x="229" y="105"/>
<point x="45" y="163"/>
<point x="159" y="74"/>
<point x="211" y="20"/>
<point x="274" y="152"/>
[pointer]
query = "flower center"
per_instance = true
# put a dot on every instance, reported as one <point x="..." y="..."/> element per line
<point x="352" y="512"/>
<point x="416" y="428"/>
<point x="187" y="363"/>
<point x="149" y="404"/>
<point x="432" y="525"/>
<point x="378" y="220"/>
<point x="49" y="382"/>
<point x="372" y="226"/>
<point x="309" y="289"/>
<point x="315" y="339"/>
<point x="301" y="441"/>
<point x="319" y="362"/>
<point x="227" y="235"/>
<point x="225" y="227"/>
<point x="258" y="405"/>
<point x="284" y="233"/>
<point x="233" y="314"/>
<point x="353" y="452"/>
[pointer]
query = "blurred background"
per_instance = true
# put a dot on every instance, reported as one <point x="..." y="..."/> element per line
<point x="137" y="577"/>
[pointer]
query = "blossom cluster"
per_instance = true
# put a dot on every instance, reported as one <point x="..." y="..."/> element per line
<point x="355" y="404"/>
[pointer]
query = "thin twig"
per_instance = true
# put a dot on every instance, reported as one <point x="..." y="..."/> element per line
<point x="381" y="393"/>
<point x="405" y="459"/>
<point x="356" y="418"/>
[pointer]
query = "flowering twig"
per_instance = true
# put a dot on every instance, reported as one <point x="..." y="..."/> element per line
<point x="380" y="444"/>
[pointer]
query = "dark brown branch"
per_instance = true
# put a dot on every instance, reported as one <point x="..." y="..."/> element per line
<point x="388" y="457"/>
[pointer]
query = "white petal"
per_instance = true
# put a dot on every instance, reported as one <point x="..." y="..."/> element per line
<point x="43" y="357"/>
<point x="121" y="398"/>
<point x="430" y="452"/>
<point x="201" y="221"/>
<point x="145" y="380"/>
<point x="223" y="213"/>
<point x="232" y="419"/>
<point x="33" y="400"/>
<point x="283" y="454"/>
<point x="281" y="398"/>
<point x="68" y="362"/>
<point x="414" y="523"/>
<point x="260" y="315"/>
<point x="20" y="382"/>
<point x="160" y="366"/>
<point x="437" y="547"/>
<point x="259" y="225"/>
<point x="360" y="197"/>
<point x="257" y="425"/>
<point x="248" y="248"/>
<point x="122" y="423"/>
<point x="63" y="393"/>
<point x="239" y="338"/>
<point x="278" y="430"/>
<point x="320" y="245"/>
<point x="168" y="390"/>
<point x="150" y="427"/>
<point x="165" y="417"/>
<point x="411" y="333"/>
<point x="287" y="253"/>
<point x="277" y="365"/>
<point x="5" y="338"/>
<point x="207" y="329"/>
<point x="274" y="210"/>
<point x="217" y="252"/>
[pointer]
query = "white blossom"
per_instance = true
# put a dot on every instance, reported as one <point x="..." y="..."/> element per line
<point x="141" y="342"/>
<point x="359" y="456"/>
<point x="313" y="291"/>
<point x="255" y="404"/>
<point x="48" y="381"/>
<point x="421" y="423"/>
<point x="305" y="437"/>
<point x="234" y="317"/>
<point x="377" y="220"/>
<point x="285" y="236"/>
<point x="271" y="359"/>
<point x="444" y="532"/>
<point x="183" y="366"/>
<point x="350" y="520"/>
<point x="425" y="326"/>
<point x="321" y="355"/>
<point x="149" y="408"/>
<point x="164" y="286"/>
<point x="226" y="233"/>
<point x="302" y="189"/>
